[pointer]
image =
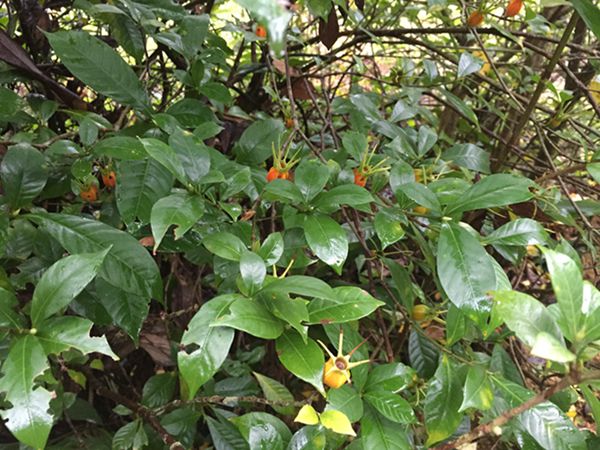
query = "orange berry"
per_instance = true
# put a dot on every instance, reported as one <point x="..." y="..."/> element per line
<point x="418" y="175"/>
<point x="420" y="312"/>
<point x="90" y="194"/>
<point x="289" y="123"/>
<point x="513" y="8"/>
<point x="475" y="19"/>
<point x="287" y="175"/>
<point x="109" y="179"/>
<point x="273" y="174"/>
<point x="420" y="210"/>
<point x="359" y="178"/>
<point x="337" y="377"/>
<point x="261" y="31"/>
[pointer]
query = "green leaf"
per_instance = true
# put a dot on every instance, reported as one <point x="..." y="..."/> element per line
<point x="210" y="345"/>
<point x="548" y="347"/>
<point x="293" y="311"/>
<point x="346" y="400"/>
<point x="62" y="333"/>
<point x="141" y="183"/>
<point x="465" y="271"/>
<point x="337" y="422"/>
<point x="346" y="194"/>
<point x="256" y="143"/>
<point x="311" y="177"/>
<point x="589" y="13"/>
<point x="272" y="248"/>
<point x="391" y="377"/>
<point x="24" y="174"/>
<point x="183" y="210"/>
<point x="328" y="240"/>
<point x="62" y="282"/>
<point x="526" y="316"/>
<point x="469" y="156"/>
<point x="388" y="229"/>
<point x="478" y="391"/>
<point x="127" y="310"/>
<point x="166" y="156"/>
<point x="131" y="435"/>
<point x="351" y="303"/>
<point x="251" y="422"/>
<point x="9" y="318"/>
<point x="99" y="66"/>
<point x="276" y="392"/>
<point x="594" y="171"/>
<point x="442" y="403"/>
<point x="460" y="106"/>
<point x="468" y="64"/>
<point x="301" y="285"/>
<point x="319" y="8"/>
<point x="225" y="435"/>
<point x="159" y="389"/>
<point x="518" y="232"/>
<point x="492" y="191"/>
<point x="421" y="195"/>
<point x="252" y="270"/>
<point x="226" y="245"/>
<point x="568" y="287"/>
<point x="309" y="438"/>
<point x="426" y="139"/>
<point x="252" y="317"/>
<point x="423" y="354"/>
<point x="545" y="422"/>
<point x="283" y="191"/>
<point x="304" y="359"/>
<point x="192" y="153"/>
<point x="216" y="91"/>
<point x="274" y="16"/>
<point x="379" y="433"/>
<point x="391" y="406"/>
<point x="265" y="437"/>
<point x="28" y="419"/>
<point x="127" y="265"/>
<point x="120" y="147"/>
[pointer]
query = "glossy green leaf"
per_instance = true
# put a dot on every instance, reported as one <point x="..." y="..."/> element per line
<point x="252" y="270"/>
<point x="546" y="423"/>
<point x="250" y="423"/>
<point x="127" y="265"/>
<point x="192" y="153"/>
<point x="351" y="303"/>
<point x="477" y="392"/>
<point x="62" y="333"/>
<point x="567" y="284"/>
<point x="518" y="232"/>
<point x="28" y="419"/>
<point x="225" y="245"/>
<point x="423" y="354"/>
<point x="291" y="310"/>
<point x="99" y="66"/>
<point x="23" y="173"/>
<point x="391" y="377"/>
<point x="442" y="403"/>
<point x="594" y="171"/>
<point x="9" y="318"/>
<point x="301" y="285"/>
<point x="460" y="106"/>
<point x="346" y="194"/>
<point x="252" y="317"/>
<point x="120" y="148"/>
<point x="421" y="195"/>
<point x="209" y="346"/>
<point x="225" y="435"/>
<point x="166" y="156"/>
<point x="284" y="191"/>
<point x="526" y="316"/>
<point x="468" y="64"/>
<point x="272" y="248"/>
<point x="159" y="389"/>
<point x="183" y="210"/>
<point x="346" y="400"/>
<point x="392" y="406"/>
<point x="311" y="176"/>
<point x="141" y="183"/>
<point x="276" y="392"/>
<point x="62" y="282"/>
<point x="492" y="191"/>
<point x="389" y="231"/>
<point x="380" y="433"/>
<point x="257" y="141"/>
<point x="469" y="156"/>
<point x="327" y="239"/>
<point x="548" y="347"/>
<point x="304" y="359"/>
<point x="465" y="271"/>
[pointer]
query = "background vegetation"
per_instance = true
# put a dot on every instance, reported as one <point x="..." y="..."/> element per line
<point x="195" y="195"/>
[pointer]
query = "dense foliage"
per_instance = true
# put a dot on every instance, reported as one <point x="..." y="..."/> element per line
<point x="318" y="224"/>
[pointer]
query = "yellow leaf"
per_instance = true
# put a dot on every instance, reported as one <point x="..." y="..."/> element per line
<point x="307" y="415"/>
<point x="337" y="422"/>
